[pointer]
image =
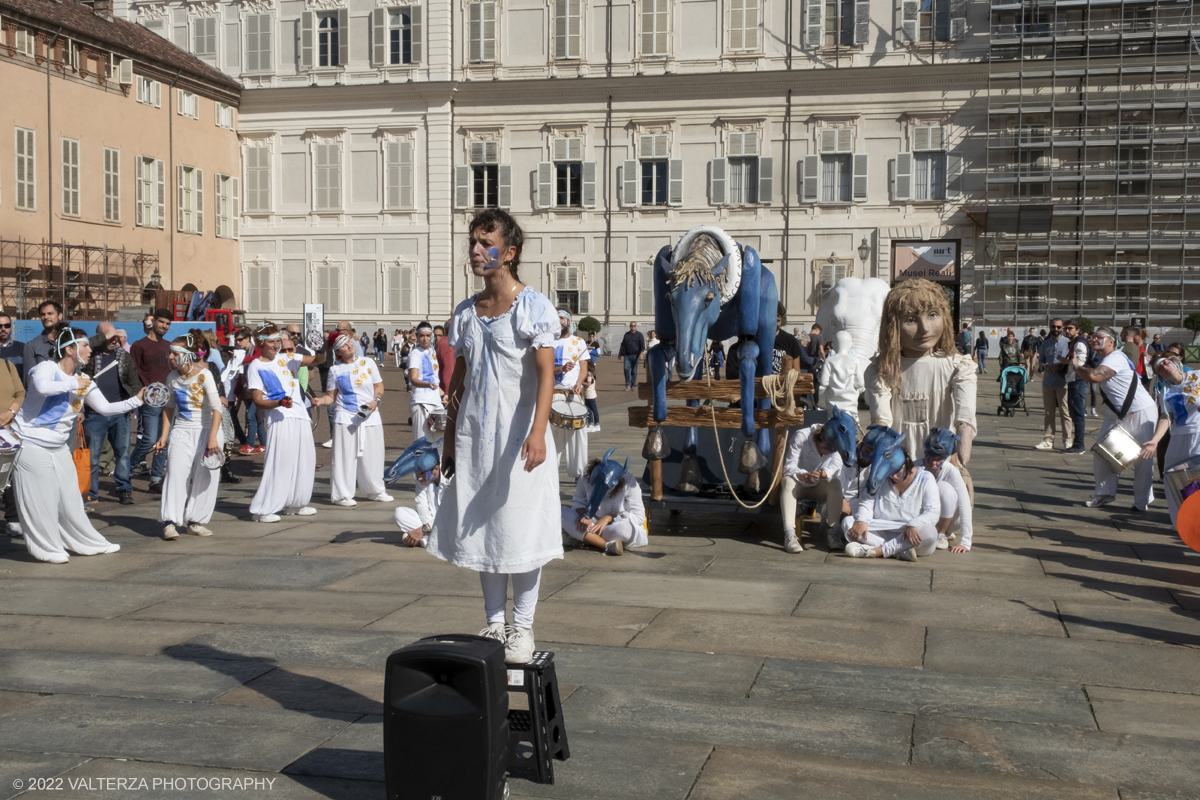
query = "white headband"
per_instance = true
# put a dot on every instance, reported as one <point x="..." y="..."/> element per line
<point x="424" y="329"/>
<point x="341" y="341"/>
<point x="60" y="345"/>
<point x="564" y="314"/>
<point x="264" y="338"/>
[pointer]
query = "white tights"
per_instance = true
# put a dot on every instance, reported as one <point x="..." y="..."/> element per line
<point x="525" y="595"/>
<point x="621" y="529"/>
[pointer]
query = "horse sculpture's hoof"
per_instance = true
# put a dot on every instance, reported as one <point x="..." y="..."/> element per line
<point x="689" y="474"/>
<point x="655" y="448"/>
<point x="751" y="458"/>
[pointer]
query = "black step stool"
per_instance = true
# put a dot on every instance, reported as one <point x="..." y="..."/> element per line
<point x="537" y="736"/>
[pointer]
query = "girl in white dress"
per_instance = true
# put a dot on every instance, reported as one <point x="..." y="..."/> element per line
<point x="499" y="514"/>
<point x="49" y="504"/>
<point x="193" y="431"/>
<point x="356" y="386"/>
<point x="291" y="457"/>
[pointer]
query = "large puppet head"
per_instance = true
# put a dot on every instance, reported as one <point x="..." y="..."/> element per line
<point x="706" y="268"/>
<point x="841" y="433"/>
<point x="604" y="477"/>
<point x="889" y="459"/>
<point x="916" y="320"/>
<point x="420" y="457"/>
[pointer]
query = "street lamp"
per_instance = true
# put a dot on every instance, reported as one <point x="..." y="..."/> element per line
<point x="864" y="252"/>
<point x="990" y="249"/>
<point x="155" y="283"/>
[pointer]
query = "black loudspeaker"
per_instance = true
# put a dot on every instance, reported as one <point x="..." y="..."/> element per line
<point x="445" y="725"/>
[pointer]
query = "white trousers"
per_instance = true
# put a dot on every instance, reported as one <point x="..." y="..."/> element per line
<point x="357" y="452"/>
<point x="525" y="595"/>
<point x="406" y="519"/>
<point x="574" y="444"/>
<point x="1139" y="425"/>
<point x="49" y="505"/>
<point x="420" y="420"/>
<point x="889" y="536"/>
<point x="949" y="499"/>
<point x="827" y="492"/>
<point x="288" y="468"/>
<point x="189" y="492"/>
<point x="621" y="530"/>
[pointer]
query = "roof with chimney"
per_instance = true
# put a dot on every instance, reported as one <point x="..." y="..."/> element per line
<point x="126" y="39"/>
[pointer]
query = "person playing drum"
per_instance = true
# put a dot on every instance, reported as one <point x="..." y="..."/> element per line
<point x="356" y="385"/>
<point x="426" y="398"/>
<point x="570" y="412"/>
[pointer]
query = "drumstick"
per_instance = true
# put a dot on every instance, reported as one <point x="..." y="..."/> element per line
<point x="106" y="369"/>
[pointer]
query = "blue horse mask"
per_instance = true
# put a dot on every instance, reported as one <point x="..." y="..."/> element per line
<point x="605" y="477"/>
<point x="420" y="457"/>
<point x="888" y="460"/>
<point x="841" y="433"/>
<point x="940" y="443"/>
<point x="875" y="435"/>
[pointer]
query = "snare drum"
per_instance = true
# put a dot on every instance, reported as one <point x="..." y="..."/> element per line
<point x="437" y="421"/>
<point x="1118" y="449"/>
<point x="568" y="414"/>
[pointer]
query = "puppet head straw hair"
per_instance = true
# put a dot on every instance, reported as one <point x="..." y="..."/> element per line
<point x="910" y="299"/>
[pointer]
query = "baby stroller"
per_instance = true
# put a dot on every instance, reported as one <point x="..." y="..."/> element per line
<point x="1012" y="391"/>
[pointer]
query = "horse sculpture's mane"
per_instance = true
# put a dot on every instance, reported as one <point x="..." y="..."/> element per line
<point x="697" y="263"/>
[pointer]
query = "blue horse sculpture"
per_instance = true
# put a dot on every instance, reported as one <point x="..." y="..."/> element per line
<point x="708" y="287"/>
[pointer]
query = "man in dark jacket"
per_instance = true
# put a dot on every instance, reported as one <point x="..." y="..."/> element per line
<point x="633" y="344"/>
<point x="117" y="384"/>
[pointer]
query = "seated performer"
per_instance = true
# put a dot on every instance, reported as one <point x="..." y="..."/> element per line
<point x="570" y="369"/>
<point x="899" y="517"/>
<point x="955" y="520"/>
<point x="49" y="505"/>
<point x="812" y="470"/>
<point x="426" y="397"/>
<point x="420" y="460"/>
<point x="607" y="511"/>
<point x="356" y="386"/>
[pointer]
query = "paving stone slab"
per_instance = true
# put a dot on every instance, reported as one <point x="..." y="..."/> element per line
<point x="1048" y="588"/>
<point x="640" y="559"/>
<point x="301" y="687"/>
<point x="14" y="701"/>
<point x="355" y="753"/>
<point x="301" y="541"/>
<point x="614" y="712"/>
<point x="122" y="676"/>
<point x="1070" y="660"/>
<point x="684" y="591"/>
<point x="736" y="773"/>
<point x="718" y="544"/>
<point x="1116" y="622"/>
<point x="58" y="597"/>
<point x="277" y="607"/>
<point x="117" y="565"/>
<point x="557" y="621"/>
<point x="857" y="642"/>
<point x="237" y="572"/>
<point x="702" y="674"/>
<point x="433" y="576"/>
<point x="1176" y="716"/>
<point x="21" y="772"/>
<point x="321" y="647"/>
<point x="914" y="691"/>
<point x="132" y="637"/>
<point x="943" y="609"/>
<point x="161" y="730"/>
<point x="1055" y="753"/>
<point x="834" y="568"/>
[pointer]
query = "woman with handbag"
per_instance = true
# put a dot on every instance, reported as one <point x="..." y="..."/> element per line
<point x="49" y="500"/>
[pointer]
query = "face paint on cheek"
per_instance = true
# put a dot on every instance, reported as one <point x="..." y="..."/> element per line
<point x="493" y="254"/>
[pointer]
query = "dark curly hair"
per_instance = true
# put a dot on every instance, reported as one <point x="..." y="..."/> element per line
<point x="496" y="219"/>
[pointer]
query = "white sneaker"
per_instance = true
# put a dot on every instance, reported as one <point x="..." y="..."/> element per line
<point x="383" y="497"/>
<point x="61" y="558"/>
<point x="494" y="630"/>
<point x="196" y="529"/>
<point x="791" y="543"/>
<point x="112" y="548"/>
<point x="943" y="543"/>
<point x="14" y="529"/>
<point x="327" y="444"/>
<point x="1045" y="445"/>
<point x="170" y="532"/>
<point x="345" y="501"/>
<point x="518" y="645"/>
<point x="266" y="517"/>
<point x="1094" y="414"/>
<point x="613" y="548"/>
<point x="307" y="511"/>
<point x="1097" y="502"/>
<point x="857" y="550"/>
<point x="907" y="555"/>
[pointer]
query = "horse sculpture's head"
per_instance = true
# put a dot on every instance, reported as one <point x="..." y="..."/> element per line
<point x="420" y="457"/>
<point x="841" y="433"/>
<point x="888" y="460"/>
<point x="695" y="289"/>
<point x="605" y="477"/>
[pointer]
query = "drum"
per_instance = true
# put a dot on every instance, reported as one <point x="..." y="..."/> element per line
<point x="213" y="459"/>
<point x="10" y="446"/>
<point x="156" y="395"/>
<point x="1178" y="476"/>
<point x="315" y="340"/>
<point x="569" y="412"/>
<point x="437" y="421"/>
<point x="1117" y="449"/>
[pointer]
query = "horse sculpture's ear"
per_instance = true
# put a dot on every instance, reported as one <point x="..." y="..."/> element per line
<point x="626" y="467"/>
<point x="721" y="266"/>
<point x="611" y="450"/>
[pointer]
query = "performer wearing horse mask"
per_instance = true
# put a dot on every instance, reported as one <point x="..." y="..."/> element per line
<point x="607" y="511"/>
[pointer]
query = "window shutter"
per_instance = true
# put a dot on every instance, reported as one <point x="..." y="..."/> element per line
<point x="920" y="138"/>
<point x="343" y="19"/>
<point x="958" y="28"/>
<point x="475" y="32"/>
<point x="406" y="290"/>
<point x="462" y="187"/>
<point x="630" y="180"/>
<point x="252" y="43"/>
<point x="488" y="30"/>
<point x="909" y="10"/>
<point x="733" y="145"/>
<point x="138" y="170"/>
<point x="560" y="28"/>
<point x="646" y="290"/>
<point x="859" y="187"/>
<point x="814" y="34"/>
<point x="904" y="165"/>
<point x="504" y="186"/>
<point x="491" y="152"/>
<point x="750" y="143"/>
<point x="750" y="23"/>
<point x="766" y="180"/>
<point x="737" y="17"/>
<point x="198" y="182"/>
<point x="125" y="72"/>
<point x="661" y="149"/>
<point x="179" y="199"/>
<point x="675" y="182"/>
<point x="393" y="172"/>
<point x="937" y="137"/>
<point x="829" y="140"/>
<point x="589" y="184"/>
<point x="585" y="303"/>
<point x="718" y="169"/>
<point x="845" y="140"/>
<point x="307" y="23"/>
<point x="575" y="148"/>
<point x="415" y="23"/>
<point x="406" y="175"/>
<point x="264" y="42"/>
<point x="475" y="152"/>
<point x="954" y="175"/>
<point x="157" y="93"/>
<point x="862" y="21"/>
<point x="560" y="279"/>
<point x="646" y="147"/>
<point x="558" y="150"/>
<point x="545" y="184"/>
<point x="379" y="31"/>
<point x="235" y="207"/>
<point x="393" y="291"/>
<point x="812" y="178"/>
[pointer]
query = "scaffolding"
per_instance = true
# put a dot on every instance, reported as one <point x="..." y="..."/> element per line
<point x="1093" y="162"/>
<point x="91" y="283"/>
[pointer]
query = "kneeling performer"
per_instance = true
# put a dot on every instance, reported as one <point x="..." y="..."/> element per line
<point x="607" y="510"/>
<point x="955" y="519"/>
<point x="812" y="470"/>
<point x="421" y="461"/>
<point x="896" y="513"/>
<point x="356" y="385"/>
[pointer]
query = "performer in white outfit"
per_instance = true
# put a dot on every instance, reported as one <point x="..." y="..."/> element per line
<point x="1117" y="378"/>
<point x="955" y="520"/>
<point x="49" y="505"/>
<point x="356" y="385"/>
<point x="425" y="398"/>
<point x="620" y="518"/>
<point x="812" y="470"/>
<point x="291" y="457"/>
<point x="1178" y="412"/>
<point x="189" y="492"/>
<point x="842" y="376"/>
<point x="499" y="514"/>
<point x="900" y="519"/>
<point x="420" y="459"/>
<point x="570" y="369"/>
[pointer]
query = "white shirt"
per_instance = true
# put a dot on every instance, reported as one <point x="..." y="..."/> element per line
<point x="803" y="457"/>
<point x="568" y="348"/>
<point x="428" y="497"/>
<point x="1078" y="357"/>
<point x="52" y="402"/>
<point x="355" y="383"/>
<point x="229" y="375"/>
<point x="425" y="362"/>
<point x="192" y="398"/>
<point x="962" y="520"/>
<point x="919" y="505"/>
<point x="1115" y="388"/>
<point x="624" y="504"/>
<point x="277" y="379"/>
